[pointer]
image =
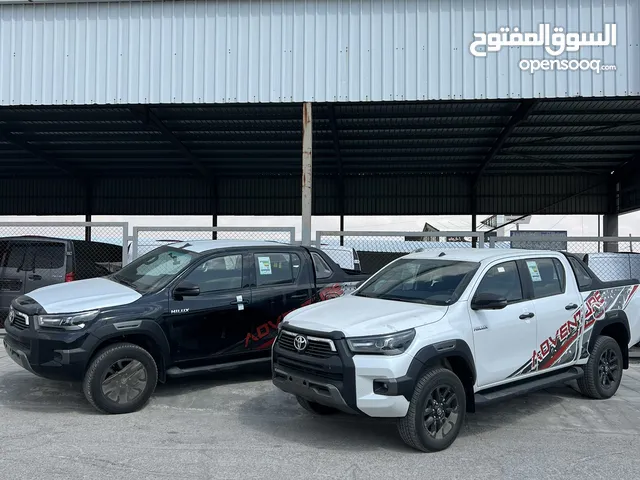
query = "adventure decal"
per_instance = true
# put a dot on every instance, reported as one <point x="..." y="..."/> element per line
<point x="560" y="348"/>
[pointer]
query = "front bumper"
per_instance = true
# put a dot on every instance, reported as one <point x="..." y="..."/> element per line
<point x="310" y="388"/>
<point x="347" y="382"/>
<point x="57" y="355"/>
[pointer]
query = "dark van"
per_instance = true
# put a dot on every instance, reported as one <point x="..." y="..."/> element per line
<point x="29" y="262"/>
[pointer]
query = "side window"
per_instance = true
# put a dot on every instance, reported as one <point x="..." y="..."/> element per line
<point x="547" y="276"/>
<point x="219" y="273"/>
<point x="276" y="268"/>
<point x="322" y="269"/>
<point x="48" y="255"/>
<point x="582" y="277"/>
<point x="502" y="279"/>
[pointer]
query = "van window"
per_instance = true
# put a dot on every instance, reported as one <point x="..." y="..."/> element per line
<point x="15" y="255"/>
<point x="48" y="255"/>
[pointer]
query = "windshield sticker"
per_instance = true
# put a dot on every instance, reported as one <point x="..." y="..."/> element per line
<point x="533" y="271"/>
<point x="501" y="269"/>
<point x="265" y="265"/>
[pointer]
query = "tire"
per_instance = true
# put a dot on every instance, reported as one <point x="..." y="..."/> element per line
<point x="315" y="408"/>
<point x="603" y="371"/>
<point x="117" y="398"/>
<point x="437" y="385"/>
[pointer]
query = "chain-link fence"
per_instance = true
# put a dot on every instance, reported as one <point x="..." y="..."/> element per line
<point x="611" y="258"/>
<point x="146" y="239"/>
<point x="36" y="255"/>
<point x="373" y="250"/>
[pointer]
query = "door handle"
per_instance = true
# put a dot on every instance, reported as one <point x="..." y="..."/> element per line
<point x="240" y="302"/>
<point x="571" y="306"/>
<point x="525" y="316"/>
<point x="301" y="295"/>
<point x="35" y="277"/>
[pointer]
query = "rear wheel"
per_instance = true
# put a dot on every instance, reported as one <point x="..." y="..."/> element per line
<point x="315" y="408"/>
<point x="436" y="411"/>
<point x="120" y="378"/>
<point x="603" y="371"/>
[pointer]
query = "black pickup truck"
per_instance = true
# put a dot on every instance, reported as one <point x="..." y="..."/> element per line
<point x="181" y="309"/>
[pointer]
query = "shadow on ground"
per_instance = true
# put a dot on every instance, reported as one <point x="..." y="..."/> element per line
<point x="281" y="416"/>
<point x="22" y="390"/>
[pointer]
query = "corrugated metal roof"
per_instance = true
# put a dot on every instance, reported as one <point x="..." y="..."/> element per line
<point x="302" y="50"/>
<point x="396" y="158"/>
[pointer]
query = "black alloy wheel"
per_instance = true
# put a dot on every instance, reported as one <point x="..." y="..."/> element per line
<point x="121" y="378"/>
<point x="441" y="412"/>
<point x="124" y="381"/>
<point x="609" y="368"/>
<point x="436" y="411"/>
<point x="603" y="370"/>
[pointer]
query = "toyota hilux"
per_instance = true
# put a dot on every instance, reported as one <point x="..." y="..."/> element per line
<point x="434" y="334"/>
<point x="181" y="309"/>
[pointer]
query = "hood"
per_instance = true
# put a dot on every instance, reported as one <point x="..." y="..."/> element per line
<point x="83" y="295"/>
<point x="360" y="316"/>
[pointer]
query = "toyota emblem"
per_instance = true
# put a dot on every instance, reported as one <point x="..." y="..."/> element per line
<point x="300" y="343"/>
<point x="10" y="317"/>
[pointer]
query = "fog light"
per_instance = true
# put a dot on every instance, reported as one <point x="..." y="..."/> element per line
<point x="380" y="387"/>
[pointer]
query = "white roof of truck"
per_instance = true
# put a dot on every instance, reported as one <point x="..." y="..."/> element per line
<point x="200" y="246"/>
<point x="478" y="254"/>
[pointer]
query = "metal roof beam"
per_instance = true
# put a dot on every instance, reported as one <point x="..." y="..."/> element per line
<point x="605" y="127"/>
<point x="519" y="115"/>
<point x="48" y="159"/>
<point x="148" y="117"/>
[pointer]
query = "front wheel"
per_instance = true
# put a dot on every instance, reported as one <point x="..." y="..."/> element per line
<point x="436" y="412"/>
<point x="603" y="371"/>
<point x="120" y="378"/>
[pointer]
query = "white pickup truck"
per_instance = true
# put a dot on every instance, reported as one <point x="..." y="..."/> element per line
<point x="434" y="334"/>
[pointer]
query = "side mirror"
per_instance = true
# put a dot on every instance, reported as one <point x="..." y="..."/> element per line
<point x="489" y="301"/>
<point x="186" y="289"/>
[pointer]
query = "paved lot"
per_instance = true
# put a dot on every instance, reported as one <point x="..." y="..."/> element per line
<point x="238" y="427"/>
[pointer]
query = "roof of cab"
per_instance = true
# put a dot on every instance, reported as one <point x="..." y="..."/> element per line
<point x="200" y="246"/>
<point x="477" y="254"/>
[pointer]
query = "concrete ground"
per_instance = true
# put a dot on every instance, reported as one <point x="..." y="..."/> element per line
<point x="237" y="426"/>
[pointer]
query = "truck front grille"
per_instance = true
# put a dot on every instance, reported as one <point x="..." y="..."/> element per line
<point x="316" y="347"/>
<point x="18" y="320"/>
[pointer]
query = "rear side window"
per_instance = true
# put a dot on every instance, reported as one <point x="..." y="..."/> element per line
<point x="322" y="269"/>
<point x="276" y="268"/>
<point x="582" y="277"/>
<point x="547" y="276"/>
<point x="48" y="255"/>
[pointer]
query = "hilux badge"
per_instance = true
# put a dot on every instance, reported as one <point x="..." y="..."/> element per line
<point x="300" y="343"/>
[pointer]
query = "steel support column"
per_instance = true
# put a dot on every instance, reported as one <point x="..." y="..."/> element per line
<point x="88" y="208"/>
<point x="610" y="219"/>
<point x="307" y="172"/>
<point x="339" y="167"/>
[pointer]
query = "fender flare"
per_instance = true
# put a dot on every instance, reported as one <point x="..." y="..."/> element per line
<point x="611" y="318"/>
<point x="432" y="354"/>
<point x="146" y="328"/>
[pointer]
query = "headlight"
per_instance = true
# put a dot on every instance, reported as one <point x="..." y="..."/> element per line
<point x="393" y="344"/>
<point x="67" y="321"/>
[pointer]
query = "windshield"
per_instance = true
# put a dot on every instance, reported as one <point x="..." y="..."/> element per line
<point x="154" y="270"/>
<point x="429" y="281"/>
